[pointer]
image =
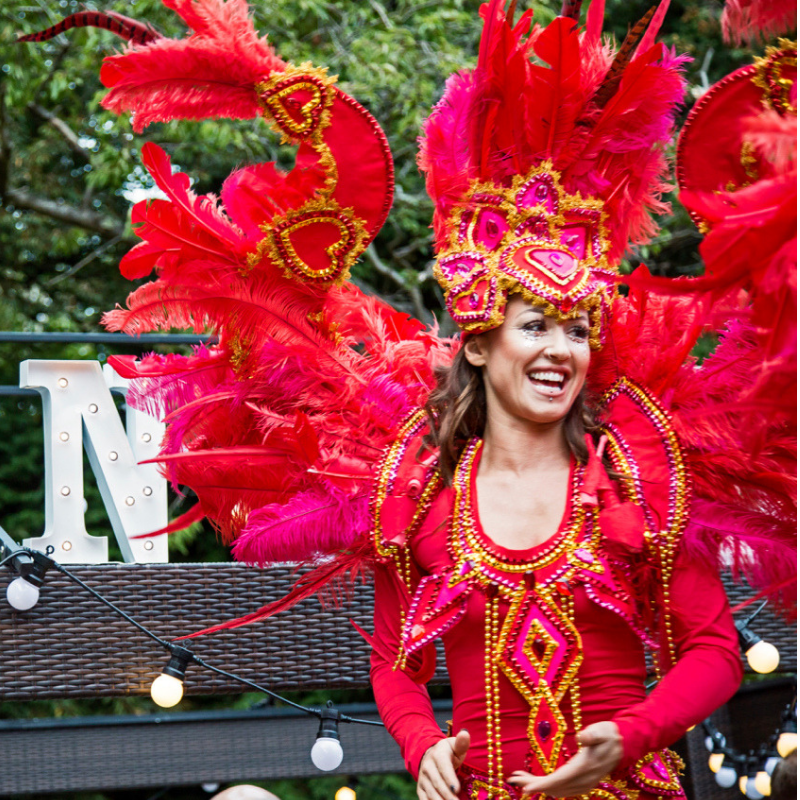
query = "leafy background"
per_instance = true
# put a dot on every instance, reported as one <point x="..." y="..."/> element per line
<point x="68" y="170"/>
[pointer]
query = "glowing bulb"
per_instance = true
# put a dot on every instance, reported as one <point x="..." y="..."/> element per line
<point x="743" y="784"/>
<point x="327" y="753"/>
<point x="715" y="761"/>
<point x="763" y="783"/>
<point x="148" y="545"/>
<point x="345" y="793"/>
<point x="787" y="742"/>
<point x="22" y="595"/>
<point x="726" y="777"/>
<point x="763" y="657"/>
<point x="166" y="691"/>
<point x="750" y="791"/>
<point x="63" y="383"/>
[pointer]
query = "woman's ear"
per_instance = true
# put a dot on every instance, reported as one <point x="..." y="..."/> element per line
<point x="475" y="350"/>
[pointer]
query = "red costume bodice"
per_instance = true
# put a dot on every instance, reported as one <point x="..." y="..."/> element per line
<point x="539" y="643"/>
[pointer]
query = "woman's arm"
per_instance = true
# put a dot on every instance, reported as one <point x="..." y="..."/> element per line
<point x="708" y="669"/>
<point x="404" y="705"/>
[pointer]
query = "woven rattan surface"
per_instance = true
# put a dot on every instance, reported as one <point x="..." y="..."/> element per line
<point x="70" y="645"/>
<point x="180" y="749"/>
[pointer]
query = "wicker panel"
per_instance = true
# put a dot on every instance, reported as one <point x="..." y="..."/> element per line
<point x="180" y="749"/>
<point x="70" y="645"/>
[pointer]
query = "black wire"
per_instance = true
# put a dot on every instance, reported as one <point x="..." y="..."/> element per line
<point x="195" y="658"/>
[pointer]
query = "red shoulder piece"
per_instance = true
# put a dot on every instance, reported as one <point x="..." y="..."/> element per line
<point x="405" y="487"/>
<point x="643" y="445"/>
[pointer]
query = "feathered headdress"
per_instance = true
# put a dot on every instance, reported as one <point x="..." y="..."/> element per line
<point x="546" y="160"/>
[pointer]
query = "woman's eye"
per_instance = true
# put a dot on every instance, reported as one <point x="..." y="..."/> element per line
<point x="580" y="332"/>
<point x="535" y="326"/>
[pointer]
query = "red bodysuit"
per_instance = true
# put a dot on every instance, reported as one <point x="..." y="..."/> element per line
<point x="502" y="706"/>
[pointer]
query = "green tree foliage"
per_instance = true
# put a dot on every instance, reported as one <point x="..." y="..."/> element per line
<point x="69" y="169"/>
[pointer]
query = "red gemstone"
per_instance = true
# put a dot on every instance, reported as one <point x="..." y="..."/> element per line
<point x="544" y="729"/>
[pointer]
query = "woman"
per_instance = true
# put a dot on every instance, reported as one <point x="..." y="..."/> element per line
<point x="548" y="553"/>
<point x="533" y="370"/>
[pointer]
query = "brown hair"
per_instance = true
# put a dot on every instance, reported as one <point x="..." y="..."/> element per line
<point x="456" y="410"/>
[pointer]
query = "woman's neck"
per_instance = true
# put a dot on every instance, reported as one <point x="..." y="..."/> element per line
<point x="516" y="447"/>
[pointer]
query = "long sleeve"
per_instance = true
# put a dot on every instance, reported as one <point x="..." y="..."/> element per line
<point x="404" y="705"/>
<point x="708" y="669"/>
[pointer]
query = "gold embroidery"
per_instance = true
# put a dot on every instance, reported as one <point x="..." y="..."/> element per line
<point x="770" y="78"/>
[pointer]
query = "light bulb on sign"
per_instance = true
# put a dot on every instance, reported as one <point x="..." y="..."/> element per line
<point x="21" y="594"/>
<point x="763" y="657"/>
<point x="715" y="761"/>
<point x="166" y="691"/>
<point x="762" y="783"/>
<point x="167" y="688"/>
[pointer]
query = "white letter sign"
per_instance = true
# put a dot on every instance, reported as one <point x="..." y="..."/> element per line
<point x="78" y="409"/>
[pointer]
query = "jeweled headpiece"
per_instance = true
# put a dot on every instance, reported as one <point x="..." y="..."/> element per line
<point x="544" y="162"/>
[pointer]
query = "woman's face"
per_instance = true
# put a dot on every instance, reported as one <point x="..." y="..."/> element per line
<point x="534" y="366"/>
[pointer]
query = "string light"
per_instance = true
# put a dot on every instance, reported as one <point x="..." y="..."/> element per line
<point x="167" y="688"/>
<point x="22" y="593"/>
<point x="763" y="783"/>
<point x="787" y="740"/>
<point x="327" y="753"/>
<point x="762" y="656"/>
<point x="747" y="781"/>
<point x="345" y="793"/>
<point x="726" y="775"/>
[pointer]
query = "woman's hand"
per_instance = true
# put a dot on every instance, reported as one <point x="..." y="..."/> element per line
<point x="600" y="753"/>
<point x="437" y="770"/>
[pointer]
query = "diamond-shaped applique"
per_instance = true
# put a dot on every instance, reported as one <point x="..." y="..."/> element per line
<point x="546" y="730"/>
<point x="658" y="773"/>
<point x="539" y="651"/>
<point x="435" y="608"/>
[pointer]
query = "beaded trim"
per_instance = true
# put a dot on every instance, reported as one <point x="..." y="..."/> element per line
<point x="664" y="541"/>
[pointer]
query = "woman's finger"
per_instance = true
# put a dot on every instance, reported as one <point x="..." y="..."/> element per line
<point x="427" y="791"/>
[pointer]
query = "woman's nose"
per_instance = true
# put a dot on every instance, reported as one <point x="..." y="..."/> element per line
<point x="557" y="348"/>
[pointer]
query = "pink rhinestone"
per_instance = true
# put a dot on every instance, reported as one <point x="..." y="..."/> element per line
<point x="584" y="555"/>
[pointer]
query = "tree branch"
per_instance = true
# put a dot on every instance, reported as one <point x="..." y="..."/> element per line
<point x="81" y="218"/>
<point x="70" y="137"/>
<point x="393" y="275"/>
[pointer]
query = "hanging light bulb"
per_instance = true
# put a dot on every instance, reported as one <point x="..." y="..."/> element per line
<point x="770" y="764"/>
<point x="327" y="753"/>
<point x="747" y="780"/>
<point x="726" y="774"/>
<point x="22" y="595"/>
<point x="787" y="741"/>
<point x="715" y="761"/>
<point x="762" y="656"/>
<point x="167" y="688"/>
<point x="23" y="592"/>
<point x="763" y="783"/>
<point x="715" y="744"/>
<point x="345" y="793"/>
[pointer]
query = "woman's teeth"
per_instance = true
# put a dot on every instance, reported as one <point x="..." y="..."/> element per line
<point x="550" y="379"/>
